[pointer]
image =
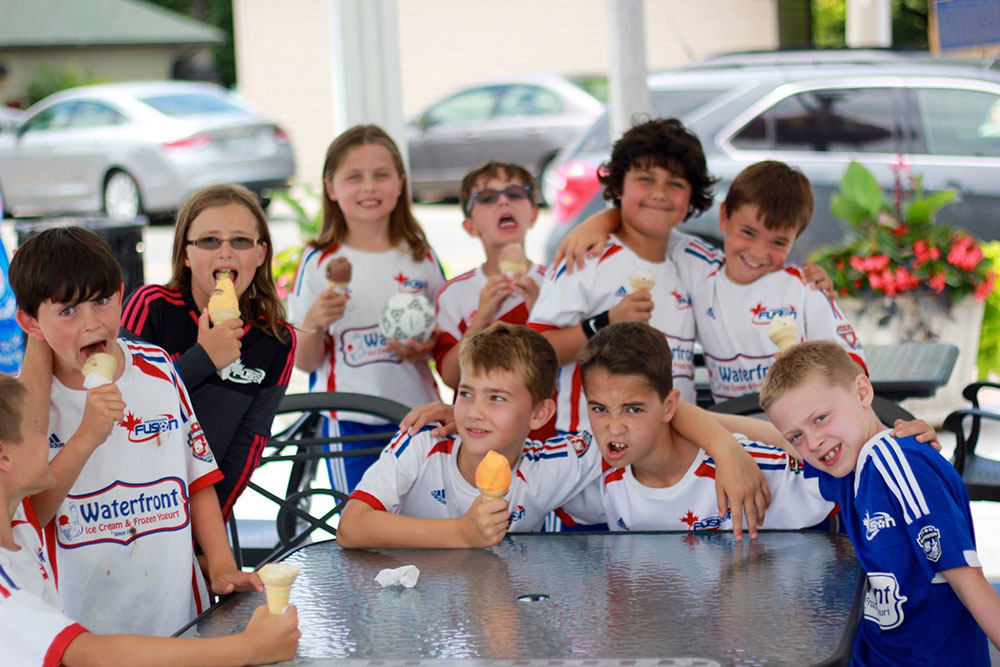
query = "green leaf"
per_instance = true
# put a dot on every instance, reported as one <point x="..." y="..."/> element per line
<point x="859" y="186"/>
<point x="923" y="210"/>
<point x="847" y="210"/>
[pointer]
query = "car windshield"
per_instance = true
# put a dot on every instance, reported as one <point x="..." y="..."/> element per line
<point x="191" y="104"/>
<point x="674" y="103"/>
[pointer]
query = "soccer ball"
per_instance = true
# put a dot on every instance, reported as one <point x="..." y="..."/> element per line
<point x="408" y="315"/>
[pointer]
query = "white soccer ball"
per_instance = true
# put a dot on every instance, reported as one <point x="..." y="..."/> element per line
<point x="408" y="315"/>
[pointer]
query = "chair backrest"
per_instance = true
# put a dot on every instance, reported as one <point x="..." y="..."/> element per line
<point x="302" y="444"/>
<point x="749" y="405"/>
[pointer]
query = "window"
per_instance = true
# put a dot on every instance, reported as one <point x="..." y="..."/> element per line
<point x="191" y="104"/>
<point x="960" y="122"/>
<point x="830" y="119"/>
<point x="523" y="100"/>
<point x="471" y="105"/>
<point x="56" y="117"/>
<point x="95" y="114"/>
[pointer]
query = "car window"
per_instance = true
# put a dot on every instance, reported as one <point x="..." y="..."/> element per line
<point x="960" y="122"/>
<point x="191" y="104"/>
<point x="467" y="106"/>
<point x="94" y="114"/>
<point x="829" y="119"/>
<point x="521" y="100"/>
<point x="666" y="104"/>
<point x="53" y="118"/>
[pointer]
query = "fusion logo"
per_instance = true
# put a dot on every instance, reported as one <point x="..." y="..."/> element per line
<point x="683" y="300"/>
<point x="763" y="315"/>
<point x="144" y="430"/>
<point x="408" y="284"/>
<point x="874" y="523"/>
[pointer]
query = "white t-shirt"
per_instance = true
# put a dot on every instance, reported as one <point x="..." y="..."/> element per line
<point x="418" y="476"/>
<point x="123" y="534"/>
<point x="458" y="303"/>
<point x="33" y="628"/>
<point x="568" y="299"/>
<point x="624" y="503"/>
<point x="733" y="320"/>
<point x="357" y="354"/>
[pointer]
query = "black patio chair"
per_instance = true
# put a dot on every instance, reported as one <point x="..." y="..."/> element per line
<point x="303" y="445"/>
<point x="749" y="405"/>
<point x="980" y="474"/>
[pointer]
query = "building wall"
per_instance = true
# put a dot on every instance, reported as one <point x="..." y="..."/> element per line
<point x="290" y="81"/>
<point x="108" y="64"/>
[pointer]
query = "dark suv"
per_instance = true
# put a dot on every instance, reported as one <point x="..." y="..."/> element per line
<point x="818" y="113"/>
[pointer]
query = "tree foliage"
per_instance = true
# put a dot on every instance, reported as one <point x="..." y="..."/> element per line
<point x="909" y="23"/>
<point x="217" y="13"/>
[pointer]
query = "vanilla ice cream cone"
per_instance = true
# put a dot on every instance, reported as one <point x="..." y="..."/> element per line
<point x="512" y="262"/>
<point x="642" y="279"/>
<point x="783" y="332"/>
<point x="278" y="579"/>
<point x="223" y="304"/>
<point x="493" y="476"/>
<point x="99" y="369"/>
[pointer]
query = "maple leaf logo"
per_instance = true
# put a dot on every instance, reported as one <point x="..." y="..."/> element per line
<point x="131" y="421"/>
<point x="758" y="309"/>
<point x="401" y="278"/>
<point x="690" y="519"/>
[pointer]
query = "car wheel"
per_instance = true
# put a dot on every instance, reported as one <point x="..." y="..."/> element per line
<point x="121" y="196"/>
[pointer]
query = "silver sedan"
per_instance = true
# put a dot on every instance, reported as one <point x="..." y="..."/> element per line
<point x="133" y="148"/>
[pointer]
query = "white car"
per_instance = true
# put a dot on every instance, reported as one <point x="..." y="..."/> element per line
<point x="127" y="149"/>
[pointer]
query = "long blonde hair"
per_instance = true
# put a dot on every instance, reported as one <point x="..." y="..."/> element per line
<point x="402" y="224"/>
<point x="260" y="301"/>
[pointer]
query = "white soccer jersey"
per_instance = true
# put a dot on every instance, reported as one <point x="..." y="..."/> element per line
<point x="357" y="355"/>
<point x="733" y="320"/>
<point x="624" y="503"/>
<point x="418" y="476"/>
<point x="568" y="299"/>
<point x="458" y="303"/>
<point x="33" y="628"/>
<point x="122" y="536"/>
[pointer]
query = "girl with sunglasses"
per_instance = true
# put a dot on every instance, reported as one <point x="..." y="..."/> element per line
<point x="368" y="226"/>
<point x="236" y="371"/>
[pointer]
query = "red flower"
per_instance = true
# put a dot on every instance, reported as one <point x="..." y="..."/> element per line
<point x="965" y="254"/>
<point x="936" y="282"/>
<point x="900" y="230"/>
<point x="985" y="288"/>
<point x="924" y="253"/>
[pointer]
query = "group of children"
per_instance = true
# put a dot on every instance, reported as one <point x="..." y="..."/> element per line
<point x="582" y="379"/>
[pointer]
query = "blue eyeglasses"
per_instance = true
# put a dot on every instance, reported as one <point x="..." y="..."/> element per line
<point x="490" y="196"/>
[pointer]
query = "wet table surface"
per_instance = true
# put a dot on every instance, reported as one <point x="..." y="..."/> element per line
<point x="612" y="598"/>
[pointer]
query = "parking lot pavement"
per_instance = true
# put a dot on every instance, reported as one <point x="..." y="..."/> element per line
<point x="458" y="253"/>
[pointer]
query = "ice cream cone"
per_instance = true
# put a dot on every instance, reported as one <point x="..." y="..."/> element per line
<point x="338" y="274"/>
<point x="278" y="579"/>
<point x="493" y="476"/>
<point x="223" y="304"/>
<point x="99" y="369"/>
<point x="512" y="262"/>
<point x="783" y="332"/>
<point x="642" y="279"/>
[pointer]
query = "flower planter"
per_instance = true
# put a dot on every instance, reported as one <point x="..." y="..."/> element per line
<point x="923" y="319"/>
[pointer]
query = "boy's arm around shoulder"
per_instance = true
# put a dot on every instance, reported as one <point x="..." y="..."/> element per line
<point x="268" y="638"/>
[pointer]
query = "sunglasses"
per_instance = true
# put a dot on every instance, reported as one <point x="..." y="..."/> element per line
<point x="489" y="197"/>
<point x="214" y="242"/>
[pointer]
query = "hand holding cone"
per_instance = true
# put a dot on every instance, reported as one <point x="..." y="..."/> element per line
<point x="223" y="304"/>
<point x="493" y="476"/>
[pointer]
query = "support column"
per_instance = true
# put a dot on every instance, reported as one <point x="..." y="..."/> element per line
<point x="869" y="23"/>
<point x="628" y="92"/>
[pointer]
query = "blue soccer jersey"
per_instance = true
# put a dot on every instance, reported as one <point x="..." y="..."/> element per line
<point x="907" y="514"/>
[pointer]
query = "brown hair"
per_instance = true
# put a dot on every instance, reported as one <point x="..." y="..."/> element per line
<point x="500" y="170"/>
<point x="630" y="348"/>
<point x="665" y="143"/>
<point x="403" y="226"/>
<point x="13" y="397"/>
<point x="68" y="265"/>
<point x="513" y="348"/>
<point x="782" y="194"/>
<point x="813" y="359"/>
<point x="260" y="301"/>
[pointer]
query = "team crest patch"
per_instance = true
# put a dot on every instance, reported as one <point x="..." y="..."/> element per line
<point x="515" y="515"/>
<point x="198" y="444"/>
<point x="929" y="539"/>
<point x="846" y="331"/>
<point x="874" y="523"/>
<point x="883" y="601"/>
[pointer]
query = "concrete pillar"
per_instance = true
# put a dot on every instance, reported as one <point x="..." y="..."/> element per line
<point x="869" y="23"/>
<point x="365" y="66"/>
<point x="628" y="93"/>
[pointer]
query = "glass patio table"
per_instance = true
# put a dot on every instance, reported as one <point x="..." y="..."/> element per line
<point x="789" y="597"/>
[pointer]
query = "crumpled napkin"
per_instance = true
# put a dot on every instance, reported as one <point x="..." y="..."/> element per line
<point x="405" y="576"/>
<point x="91" y="380"/>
